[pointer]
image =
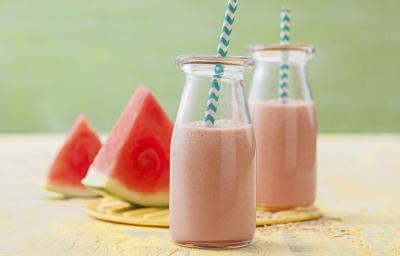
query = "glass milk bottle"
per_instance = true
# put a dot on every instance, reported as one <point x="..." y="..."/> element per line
<point x="285" y="126"/>
<point x="212" y="182"/>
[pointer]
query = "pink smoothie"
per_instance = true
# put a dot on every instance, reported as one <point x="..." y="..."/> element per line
<point x="286" y="136"/>
<point x="212" y="192"/>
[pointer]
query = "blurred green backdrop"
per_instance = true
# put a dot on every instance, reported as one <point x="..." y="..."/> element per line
<point x="59" y="58"/>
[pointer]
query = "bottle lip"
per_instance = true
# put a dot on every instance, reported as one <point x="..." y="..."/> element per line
<point x="240" y="61"/>
<point x="309" y="49"/>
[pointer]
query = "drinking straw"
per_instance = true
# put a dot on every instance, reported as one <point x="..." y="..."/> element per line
<point x="222" y="51"/>
<point x="284" y="67"/>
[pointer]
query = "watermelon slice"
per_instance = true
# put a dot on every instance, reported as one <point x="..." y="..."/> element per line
<point x="133" y="164"/>
<point x="73" y="160"/>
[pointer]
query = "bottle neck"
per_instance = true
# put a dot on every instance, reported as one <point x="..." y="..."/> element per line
<point x="202" y="70"/>
<point x="271" y="83"/>
<point x="232" y="68"/>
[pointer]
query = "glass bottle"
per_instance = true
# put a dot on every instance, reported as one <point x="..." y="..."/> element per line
<point x="212" y="182"/>
<point x="285" y="126"/>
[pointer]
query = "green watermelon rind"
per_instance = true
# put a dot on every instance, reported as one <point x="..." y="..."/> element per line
<point x="69" y="191"/>
<point x="106" y="185"/>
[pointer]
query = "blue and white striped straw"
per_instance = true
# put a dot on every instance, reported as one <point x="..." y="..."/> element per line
<point x="284" y="67"/>
<point x="222" y="51"/>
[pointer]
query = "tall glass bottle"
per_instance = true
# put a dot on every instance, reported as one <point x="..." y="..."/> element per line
<point x="212" y="192"/>
<point x="285" y="127"/>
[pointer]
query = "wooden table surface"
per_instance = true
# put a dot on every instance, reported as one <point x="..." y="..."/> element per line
<point x="358" y="192"/>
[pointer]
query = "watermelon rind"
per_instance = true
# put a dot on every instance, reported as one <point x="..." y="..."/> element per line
<point x="109" y="186"/>
<point x="70" y="191"/>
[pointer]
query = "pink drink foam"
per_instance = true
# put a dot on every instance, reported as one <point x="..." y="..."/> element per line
<point x="286" y="153"/>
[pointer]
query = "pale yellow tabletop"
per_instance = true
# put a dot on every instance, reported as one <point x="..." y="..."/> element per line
<point x="358" y="192"/>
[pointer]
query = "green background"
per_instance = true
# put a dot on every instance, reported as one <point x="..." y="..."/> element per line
<point x="59" y="58"/>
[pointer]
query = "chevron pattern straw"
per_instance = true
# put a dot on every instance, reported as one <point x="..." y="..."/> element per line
<point x="222" y="51"/>
<point x="284" y="67"/>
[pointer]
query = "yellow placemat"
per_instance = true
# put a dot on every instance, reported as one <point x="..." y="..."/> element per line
<point x="113" y="210"/>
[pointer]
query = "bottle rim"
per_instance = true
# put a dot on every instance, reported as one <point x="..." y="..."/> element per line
<point x="309" y="49"/>
<point x="240" y="61"/>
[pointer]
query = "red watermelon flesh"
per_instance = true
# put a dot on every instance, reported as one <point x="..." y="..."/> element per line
<point x="134" y="162"/>
<point x="73" y="160"/>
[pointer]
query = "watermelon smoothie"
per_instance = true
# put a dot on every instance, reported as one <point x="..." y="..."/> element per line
<point x="212" y="192"/>
<point x="286" y="136"/>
